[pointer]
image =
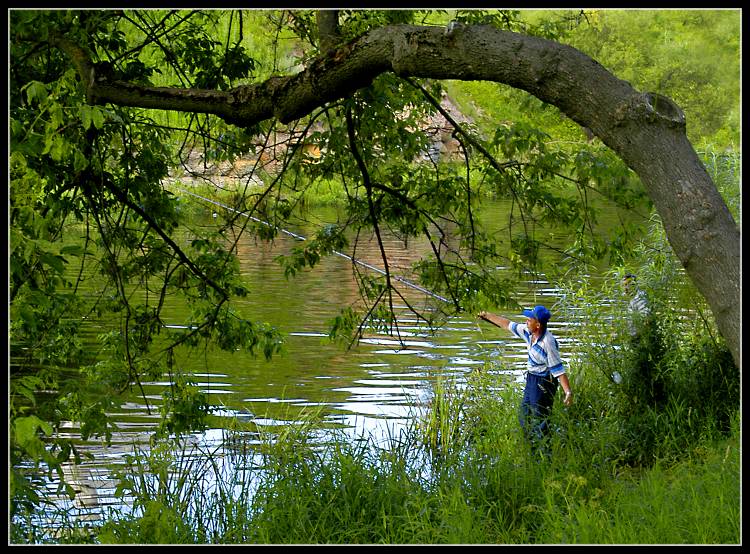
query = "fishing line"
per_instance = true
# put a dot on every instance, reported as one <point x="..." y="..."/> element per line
<point x="301" y="238"/>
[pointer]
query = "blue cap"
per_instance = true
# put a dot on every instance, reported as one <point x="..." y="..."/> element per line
<point x="540" y="313"/>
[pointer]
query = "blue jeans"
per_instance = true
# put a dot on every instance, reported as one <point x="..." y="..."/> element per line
<point x="538" y="397"/>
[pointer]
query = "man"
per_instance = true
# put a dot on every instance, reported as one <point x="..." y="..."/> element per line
<point x="643" y="350"/>
<point x="544" y="369"/>
<point x="638" y="306"/>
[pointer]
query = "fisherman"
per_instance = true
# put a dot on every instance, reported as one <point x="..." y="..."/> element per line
<point x="638" y="307"/>
<point x="643" y="349"/>
<point x="544" y="370"/>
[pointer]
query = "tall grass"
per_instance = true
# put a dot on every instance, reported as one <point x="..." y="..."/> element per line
<point x="694" y="501"/>
<point x="437" y="484"/>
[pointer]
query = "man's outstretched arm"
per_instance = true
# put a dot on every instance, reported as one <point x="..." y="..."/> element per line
<point x="498" y="320"/>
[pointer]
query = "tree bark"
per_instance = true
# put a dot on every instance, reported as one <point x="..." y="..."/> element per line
<point x="646" y="130"/>
<point x="328" y="30"/>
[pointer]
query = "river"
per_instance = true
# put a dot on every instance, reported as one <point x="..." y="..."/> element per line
<point x="370" y="390"/>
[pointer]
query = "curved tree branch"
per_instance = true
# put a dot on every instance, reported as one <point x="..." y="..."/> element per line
<point x="645" y="129"/>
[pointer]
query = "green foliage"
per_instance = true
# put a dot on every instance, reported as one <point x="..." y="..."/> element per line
<point x="694" y="501"/>
<point x="87" y="197"/>
<point x="184" y="409"/>
<point x="161" y="524"/>
<point x="87" y="205"/>
<point x="476" y="486"/>
<point x="357" y="22"/>
<point x="692" y="56"/>
<point x="25" y="433"/>
<point x="665" y="378"/>
<point x="159" y="480"/>
<point x="725" y="170"/>
<point x="328" y="239"/>
<point x="443" y="424"/>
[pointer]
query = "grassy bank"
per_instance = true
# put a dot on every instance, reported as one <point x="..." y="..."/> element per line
<point x="475" y="482"/>
<point x="460" y="473"/>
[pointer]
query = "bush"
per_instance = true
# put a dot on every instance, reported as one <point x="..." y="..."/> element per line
<point x="705" y="378"/>
<point x="665" y="385"/>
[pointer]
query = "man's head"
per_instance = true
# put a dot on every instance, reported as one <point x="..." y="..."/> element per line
<point x="629" y="282"/>
<point x="539" y="314"/>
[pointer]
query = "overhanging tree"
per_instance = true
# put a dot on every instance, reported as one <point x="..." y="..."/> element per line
<point x="83" y="145"/>
<point x="646" y="129"/>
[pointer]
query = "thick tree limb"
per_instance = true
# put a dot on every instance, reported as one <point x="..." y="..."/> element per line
<point x="646" y="130"/>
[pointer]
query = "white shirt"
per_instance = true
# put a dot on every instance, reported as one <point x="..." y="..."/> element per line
<point x="639" y="309"/>
<point x="639" y="304"/>
<point x="544" y="354"/>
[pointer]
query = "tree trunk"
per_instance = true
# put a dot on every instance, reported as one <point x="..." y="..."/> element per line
<point x="646" y="130"/>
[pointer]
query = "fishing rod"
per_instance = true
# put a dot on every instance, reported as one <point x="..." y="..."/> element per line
<point x="301" y="238"/>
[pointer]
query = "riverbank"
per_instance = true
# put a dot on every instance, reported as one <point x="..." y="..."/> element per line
<point x="482" y="486"/>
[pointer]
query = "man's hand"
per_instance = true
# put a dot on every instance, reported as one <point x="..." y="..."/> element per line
<point x="497" y="320"/>
<point x="568" y="398"/>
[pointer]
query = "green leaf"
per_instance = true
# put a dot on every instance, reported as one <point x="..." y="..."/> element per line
<point x="27" y="385"/>
<point x="36" y="91"/>
<point x="55" y="146"/>
<point x="55" y="262"/>
<point x="98" y="117"/>
<point x="79" y="161"/>
<point x="72" y="249"/>
<point x="85" y="114"/>
<point x="26" y="428"/>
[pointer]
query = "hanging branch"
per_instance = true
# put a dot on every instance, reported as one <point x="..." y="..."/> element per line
<point x="371" y="205"/>
<point x="458" y="128"/>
